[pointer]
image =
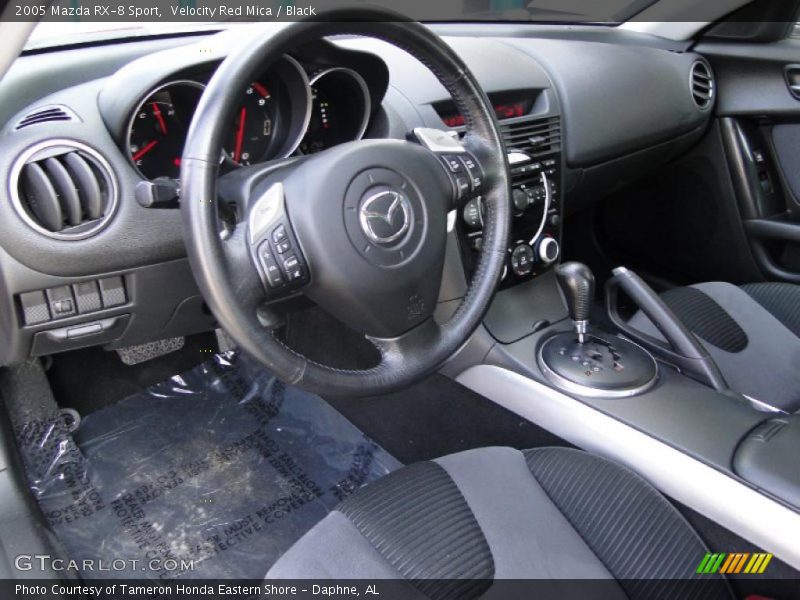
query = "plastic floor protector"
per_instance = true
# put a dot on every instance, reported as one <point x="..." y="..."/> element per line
<point x="211" y="474"/>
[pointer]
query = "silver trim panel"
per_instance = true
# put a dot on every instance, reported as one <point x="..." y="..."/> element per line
<point x="718" y="496"/>
<point x="591" y="392"/>
<point x="547" y="200"/>
<point x="438" y="141"/>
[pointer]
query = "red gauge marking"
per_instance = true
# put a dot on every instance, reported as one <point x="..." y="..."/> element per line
<point x="261" y="90"/>
<point x="160" y="118"/>
<point x="176" y="162"/>
<point x="144" y="150"/>
<point x="237" y="152"/>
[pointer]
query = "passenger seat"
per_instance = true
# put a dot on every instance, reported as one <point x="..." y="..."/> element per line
<point x="752" y="332"/>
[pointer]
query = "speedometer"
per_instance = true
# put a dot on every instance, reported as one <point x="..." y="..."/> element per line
<point x="159" y="126"/>
<point x="268" y="123"/>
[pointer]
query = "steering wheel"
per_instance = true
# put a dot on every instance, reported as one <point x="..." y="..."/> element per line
<point x="359" y="228"/>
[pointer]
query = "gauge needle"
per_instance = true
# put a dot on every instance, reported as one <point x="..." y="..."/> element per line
<point x="145" y="149"/>
<point x="160" y="118"/>
<point x="237" y="151"/>
<point x="260" y="89"/>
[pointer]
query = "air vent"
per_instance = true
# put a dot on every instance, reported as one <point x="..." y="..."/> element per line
<point x="534" y="137"/>
<point x="46" y="114"/>
<point x="63" y="189"/>
<point x="702" y="84"/>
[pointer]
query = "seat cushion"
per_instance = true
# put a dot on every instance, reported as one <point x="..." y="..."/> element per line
<point x="782" y="300"/>
<point x="752" y="332"/>
<point x="450" y="527"/>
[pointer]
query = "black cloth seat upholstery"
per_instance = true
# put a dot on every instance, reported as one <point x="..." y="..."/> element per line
<point x="449" y="528"/>
<point x="752" y="332"/>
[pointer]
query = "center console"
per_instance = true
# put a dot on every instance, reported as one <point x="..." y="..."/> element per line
<point x="533" y="144"/>
<point x="672" y="419"/>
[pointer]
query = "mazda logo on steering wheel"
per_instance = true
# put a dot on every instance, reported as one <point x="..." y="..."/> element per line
<point x="385" y="216"/>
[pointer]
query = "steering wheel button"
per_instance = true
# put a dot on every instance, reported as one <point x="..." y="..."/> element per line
<point x="475" y="174"/>
<point x="265" y="213"/>
<point x="453" y="164"/>
<point x="279" y="234"/>
<point x="291" y="263"/>
<point x="462" y="186"/>
<point x="295" y="274"/>
<point x="283" y="247"/>
<point x="270" y="266"/>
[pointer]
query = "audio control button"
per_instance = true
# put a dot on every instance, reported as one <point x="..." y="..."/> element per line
<point x="474" y="170"/>
<point x="520" y="198"/>
<point x="453" y="164"/>
<point x="473" y="214"/>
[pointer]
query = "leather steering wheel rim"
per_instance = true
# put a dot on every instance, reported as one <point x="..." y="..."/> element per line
<point x="406" y="358"/>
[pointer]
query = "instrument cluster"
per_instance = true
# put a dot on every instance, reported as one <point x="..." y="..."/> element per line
<point x="281" y="113"/>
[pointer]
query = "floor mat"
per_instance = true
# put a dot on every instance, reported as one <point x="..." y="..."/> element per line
<point x="211" y="474"/>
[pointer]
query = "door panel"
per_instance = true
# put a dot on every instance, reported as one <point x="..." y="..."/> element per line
<point x="758" y="108"/>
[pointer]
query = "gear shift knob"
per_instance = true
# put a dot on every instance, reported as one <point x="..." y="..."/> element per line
<point x="577" y="287"/>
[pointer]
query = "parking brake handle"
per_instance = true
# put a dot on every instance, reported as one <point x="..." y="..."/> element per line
<point x="682" y="348"/>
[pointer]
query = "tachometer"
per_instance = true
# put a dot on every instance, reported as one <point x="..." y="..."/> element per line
<point x="159" y="126"/>
<point x="272" y="116"/>
<point x="253" y="129"/>
<point x="268" y="123"/>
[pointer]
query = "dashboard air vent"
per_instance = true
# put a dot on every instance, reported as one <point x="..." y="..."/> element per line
<point x="63" y="189"/>
<point x="702" y="83"/>
<point x="534" y="137"/>
<point x="46" y="114"/>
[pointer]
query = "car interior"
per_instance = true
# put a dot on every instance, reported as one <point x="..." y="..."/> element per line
<point x="446" y="304"/>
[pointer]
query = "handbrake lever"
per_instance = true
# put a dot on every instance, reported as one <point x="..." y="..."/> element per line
<point x="682" y="348"/>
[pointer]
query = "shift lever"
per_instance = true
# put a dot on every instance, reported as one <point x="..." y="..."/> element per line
<point x="599" y="365"/>
<point x="576" y="282"/>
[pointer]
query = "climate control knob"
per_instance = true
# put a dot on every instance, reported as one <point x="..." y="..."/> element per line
<point x="547" y="250"/>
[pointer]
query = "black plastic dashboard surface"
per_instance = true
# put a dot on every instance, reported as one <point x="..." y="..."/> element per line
<point x="614" y="99"/>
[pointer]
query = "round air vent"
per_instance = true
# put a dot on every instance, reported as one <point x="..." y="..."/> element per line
<point x="63" y="189"/>
<point x="701" y="80"/>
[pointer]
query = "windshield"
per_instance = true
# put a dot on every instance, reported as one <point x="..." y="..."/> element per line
<point x="75" y="21"/>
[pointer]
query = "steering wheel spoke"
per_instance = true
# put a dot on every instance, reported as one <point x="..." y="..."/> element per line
<point x="395" y="351"/>
<point x="273" y="244"/>
<point x="459" y="161"/>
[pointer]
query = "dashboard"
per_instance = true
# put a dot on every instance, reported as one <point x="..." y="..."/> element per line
<point x="115" y="117"/>
<point x="297" y="106"/>
<point x="282" y="111"/>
